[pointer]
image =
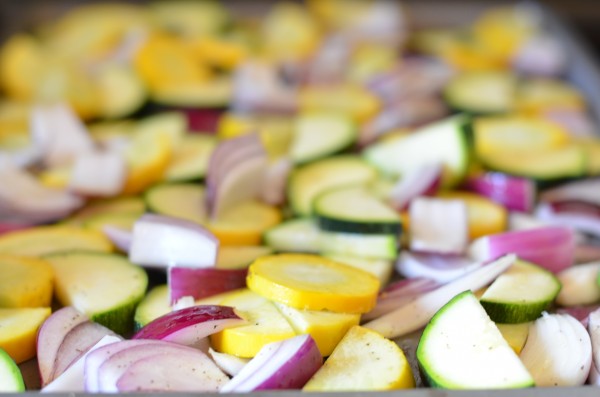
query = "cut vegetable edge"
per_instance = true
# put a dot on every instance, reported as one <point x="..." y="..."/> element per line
<point x="454" y="355"/>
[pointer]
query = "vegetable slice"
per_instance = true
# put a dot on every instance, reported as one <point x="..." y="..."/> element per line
<point x="45" y="240"/>
<point x="18" y="330"/>
<point x="462" y="349"/>
<point x="520" y="294"/>
<point x="442" y="142"/>
<point x="557" y="339"/>
<point x="25" y="282"/>
<point x="307" y="182"/>
<point x="320" y="134"/>
<point x="11" y="380"/>
<point x="105" y="287"/>
<point x="264" y="325"/>
<point x="363" y="361"/>
<point x="482" y="92"/>
<point x="355" y="210"/>
<point x="190" y="158"/>
<point x="294" y="235"/>
<point x="314" y="283"/>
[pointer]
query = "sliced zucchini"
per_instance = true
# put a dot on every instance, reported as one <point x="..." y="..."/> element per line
<point x="127" y="205"/>
<point x="180" y="200"/>
<point x="444" y="142"/>
<point x="307" y="182"/>
<point x="319" y="135"/>
<point x="482" y="92"/>
<point x="106" y="287"/>
<point x="462" y="349"/>
<point x="123" y="221"/>
<point x="295" y="235"/>
<point x="381" y="246"/>
<point x="517" y="135"/>
<point x="355" y="210"/>
<point x="121" y="91"/>
<point x="568" y="161"/>
<point x="537" y="95"/>
<point x="521" y="294"/>
<point x="190" y="159"/>
<point x="155" y="304"/>
<point x="380" y="268"/>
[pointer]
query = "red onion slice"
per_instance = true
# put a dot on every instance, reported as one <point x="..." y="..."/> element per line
<point x="236" y="171"/>
<point x="190" y="325"/>
<point x="167" y="241"/>
<point x="579" y="221"/>
<point x="121" y="238"/>
<point x="440" y="268"/>
<point x="24" y="200"/>
<point x="438" y="226"/>
<point x="417" y="312"/>
<point x="516" y="194"/>
<point x="398" y="294"/>
<point x="551" y="247"/>
<point x="51" y="335"/>
<point x="98" y="174"/>
<point x="422" y="181"/>
<point x="61" y="133"/>
<point x="73" y="379"/>
<point x="541" y="55"/>
<point x="581" y="313"/>
<point x="584" y="190"/>
<point x="274" y="186"/>
<point x="203" y="282"/>
<point x="286" y="364"/>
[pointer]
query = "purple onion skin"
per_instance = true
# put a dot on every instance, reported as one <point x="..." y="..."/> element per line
<point x="175" y="321"/>
<point x="204" y="282"/>
<point x="296" y="372"/>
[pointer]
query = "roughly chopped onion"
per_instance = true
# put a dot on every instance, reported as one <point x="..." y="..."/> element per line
<point x="437" y="267"/>
<point x="516" y="194"/>
<point x="422" y="181"/>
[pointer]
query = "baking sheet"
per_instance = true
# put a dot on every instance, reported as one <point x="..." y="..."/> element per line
<point x="583" y="71"/>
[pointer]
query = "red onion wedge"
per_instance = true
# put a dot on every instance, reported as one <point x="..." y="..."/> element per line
<point x="579" y="285"/>
<point x="152" y="365"/>
<point x="120" y="238"/>
<point x="439" y="226"/>
<point x="581" y="313"/>
<point x="440" y="268"/>
<point x="558" y="351"/>
<point x="422" y="181"/>
<point x="190" y="325"/>
<point x="593" y="328"/>
<point x="164" y="241"/>
<point x="203" y="282"/>
<point x="236" y="171"/>
<point x="50" y="336"/>
<point x="62" y="134"/>
<point x="274" y="187"/>
<point x="231" y="365"/>
<point x="189" y="370"/>
<point x="583" y="190"/>
<point x="514" y="193"/>
<point x="581" y="217"/>
<point x="98" y="174"/>
<point x="286" y="364"/>
<point x="587" y="252"/>
<point x="11" y="227"/>
<point x="577" y="122"/>
<point x="24" y="200"/>
<point x="551" y="247"/>
<point x="73" y="379"/>
<point x="399" y="294"/>
<point x="542" y="55"/>
<point x="416" y="313"/>
<point x="76" y="343"/>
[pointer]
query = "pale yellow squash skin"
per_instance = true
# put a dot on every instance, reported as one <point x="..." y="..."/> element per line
<point x="18" y="331"/>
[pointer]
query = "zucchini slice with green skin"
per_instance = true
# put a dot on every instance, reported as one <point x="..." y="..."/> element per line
<point x="318" y="135"/>
<point x="380" y="246"/>
<point x="11" y="380"/>
<point x="309" y="181"/>
<point x="445" y="142"/>
<point x="521" y="294"/>
<point x="355" y="210"/>
<point x="294" y="235"/>
<point x="462" y="349"/>
<point x="155" y="304"/>
<point x="482" y="92"/>
<point x="180" y="200"/>
<point x="566" y="162"/>
<point x="106" y="287"/>
<point x="190" y="160"/>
